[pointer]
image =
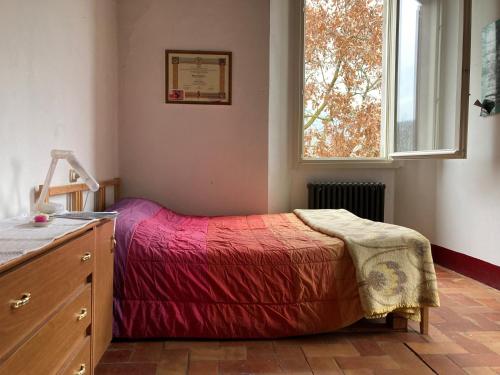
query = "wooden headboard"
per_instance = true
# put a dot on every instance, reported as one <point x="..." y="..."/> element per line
<point x="74" y="192"/>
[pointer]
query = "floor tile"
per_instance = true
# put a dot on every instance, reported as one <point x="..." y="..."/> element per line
<point x="480" y="371"/>
<point x="493" y="346"/>
<point x="206" y="354"/>
<point x="260" y="352"/>
<point x="116" y="356"/>
<point x="359" y="372"/>
<point x="441" y="364"/>
<point x="182" y="344"/>
<point x="405" y="357"/>
<point x="324" y="366"/>
<point x="289" y="351"/>
<point x="173" y="362"/>
<point x="345" y="349"/>
<point x="257" y="366"/>
<point x="235" y="353"/>
<point x="367" y="347"/>
<point x="294" y="365"/>
<point x="173" y="367"/>
<point x="436" y="348"/>
<point x="174" y="355"/>
<point x="203" y="368"/>
<point x="126" y="369"/>
<point x="152" y="354"/>
<point x="367" y="362"/>
<point x="475" y="360"/>
<point x="484" y="336"/>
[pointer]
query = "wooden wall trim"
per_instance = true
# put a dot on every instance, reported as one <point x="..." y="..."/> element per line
<point x="474" y="268"/>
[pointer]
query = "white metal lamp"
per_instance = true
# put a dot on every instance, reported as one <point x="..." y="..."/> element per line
<point x="50" y="208"/>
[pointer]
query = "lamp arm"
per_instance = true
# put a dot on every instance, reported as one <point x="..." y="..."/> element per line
<point x="87" y="178"/>
<point x="75" y="164"/>
<point x="46" y="184"/>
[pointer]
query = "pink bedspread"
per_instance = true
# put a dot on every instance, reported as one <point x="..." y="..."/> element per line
<point x="227" y="277"/>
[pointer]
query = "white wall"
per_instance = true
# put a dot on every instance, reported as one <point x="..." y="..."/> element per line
<point x="457" y="202"/>
<point x="282" y="89"/>
<point x="58" y="89"/>
<point x="195" y="159"/>
<point x="415" y="196"/>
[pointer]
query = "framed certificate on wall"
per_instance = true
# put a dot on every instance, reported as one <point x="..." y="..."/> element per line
<point x="198" y="77"/>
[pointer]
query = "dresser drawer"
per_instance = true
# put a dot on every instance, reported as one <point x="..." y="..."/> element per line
<point x="46" y="351"/>
<point x="49" y="280"/>
<point x="80" y="364"/>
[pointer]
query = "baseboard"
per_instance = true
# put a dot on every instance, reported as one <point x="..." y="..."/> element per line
<point x="476" y="269"/>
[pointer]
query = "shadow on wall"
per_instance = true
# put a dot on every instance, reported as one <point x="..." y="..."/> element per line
<point x="105" y="92"/>
<point x="11" y="198"/>
<point x="131" y="11"/>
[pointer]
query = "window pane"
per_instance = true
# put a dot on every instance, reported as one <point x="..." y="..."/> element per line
<point x="406" y="131"/>
<point x="343" y="44"/>
<point x="429" y="75"/>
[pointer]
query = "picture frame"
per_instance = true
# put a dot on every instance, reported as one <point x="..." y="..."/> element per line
<point x="198" y="77"/>
<point x="490" y="69"/>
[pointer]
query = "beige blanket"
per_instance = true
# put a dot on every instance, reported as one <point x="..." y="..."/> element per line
<point x="394" y="266"/>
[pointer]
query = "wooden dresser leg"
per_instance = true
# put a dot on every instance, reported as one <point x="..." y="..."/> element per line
<point x="424" y="320"/>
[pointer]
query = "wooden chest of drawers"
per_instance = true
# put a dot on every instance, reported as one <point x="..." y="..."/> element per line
<point x="56" y="305"/>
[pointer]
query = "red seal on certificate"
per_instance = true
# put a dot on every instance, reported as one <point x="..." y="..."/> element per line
<point x="176" y="94"/>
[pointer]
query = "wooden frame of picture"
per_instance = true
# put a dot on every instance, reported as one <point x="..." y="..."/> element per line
<point x="198" y="77"/>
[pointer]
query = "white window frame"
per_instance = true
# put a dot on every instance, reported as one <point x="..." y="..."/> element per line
<point x="462" y="131"/>
<point x="389" y="157"/>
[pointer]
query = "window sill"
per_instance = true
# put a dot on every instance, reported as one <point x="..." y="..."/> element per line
<point x="350" y="163"/>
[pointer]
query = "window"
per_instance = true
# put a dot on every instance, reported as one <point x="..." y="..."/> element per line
<point x="384" y="79"/>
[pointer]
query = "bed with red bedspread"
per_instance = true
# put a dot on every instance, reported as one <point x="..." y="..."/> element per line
<point x="258" y="276"/>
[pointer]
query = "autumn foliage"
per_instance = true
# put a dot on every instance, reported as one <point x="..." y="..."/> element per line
<point x="342" y="78"/>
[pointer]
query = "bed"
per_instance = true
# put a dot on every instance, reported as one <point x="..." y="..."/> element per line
<point x="257" y="276"/>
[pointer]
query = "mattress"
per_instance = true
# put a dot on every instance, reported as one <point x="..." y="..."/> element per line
<point x="257" y="276"/>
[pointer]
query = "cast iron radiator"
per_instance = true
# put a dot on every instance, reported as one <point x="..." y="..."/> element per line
<point x="364" y="199"/>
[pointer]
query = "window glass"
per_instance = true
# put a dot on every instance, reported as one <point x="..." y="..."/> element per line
<point x="428" y="99"/>
<point x="343" y="76"/>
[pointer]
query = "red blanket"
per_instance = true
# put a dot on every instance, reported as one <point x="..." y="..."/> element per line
<point x="227" y="277"/>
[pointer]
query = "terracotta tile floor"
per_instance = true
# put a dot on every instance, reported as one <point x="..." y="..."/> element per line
<point x="464" y="339"/>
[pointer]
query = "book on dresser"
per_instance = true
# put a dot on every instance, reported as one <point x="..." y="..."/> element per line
<point x="56" y="303"/>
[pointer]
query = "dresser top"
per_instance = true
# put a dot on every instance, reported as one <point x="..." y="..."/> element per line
<point x="20" y="241"/>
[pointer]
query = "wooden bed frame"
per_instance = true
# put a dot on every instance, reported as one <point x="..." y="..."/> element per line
<point x="397" y="322"/>
<point x="75" y="192"/>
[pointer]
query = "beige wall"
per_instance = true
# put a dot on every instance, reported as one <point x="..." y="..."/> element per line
<point x="282" y="94"/>
<point x="58" y="89"/>
<point x="195" y="159"/>
<point x="457" y="202"/>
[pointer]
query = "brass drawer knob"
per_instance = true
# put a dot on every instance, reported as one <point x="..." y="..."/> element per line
<point x="82" y="314"/>
<point x="82" y="370"/>
<point x="86" y="257"/>
<point x="25" y="298"/>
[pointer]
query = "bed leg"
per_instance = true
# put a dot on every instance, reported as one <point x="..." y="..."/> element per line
<point x="397" y="322"/>
<point x="424" y="320"/>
